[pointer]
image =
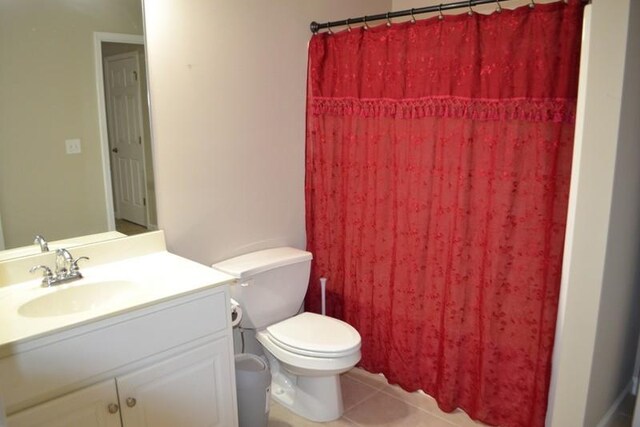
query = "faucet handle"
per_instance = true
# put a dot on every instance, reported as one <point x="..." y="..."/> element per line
<point x="74" y="263"/>
<point x="47" y="276"/>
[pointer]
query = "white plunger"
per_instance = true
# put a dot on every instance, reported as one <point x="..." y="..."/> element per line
<point x="323" y="291"/>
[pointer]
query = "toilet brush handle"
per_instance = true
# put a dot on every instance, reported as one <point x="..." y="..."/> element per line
<point x="323" y="293"/>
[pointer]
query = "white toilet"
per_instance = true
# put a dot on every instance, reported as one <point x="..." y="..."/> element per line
<point x="307" y="352"/>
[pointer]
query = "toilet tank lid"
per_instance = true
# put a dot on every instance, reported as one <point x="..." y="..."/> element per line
<point x="257" y="262"/>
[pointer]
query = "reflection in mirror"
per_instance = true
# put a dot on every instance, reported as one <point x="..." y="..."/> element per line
<point x="75" y="145"/>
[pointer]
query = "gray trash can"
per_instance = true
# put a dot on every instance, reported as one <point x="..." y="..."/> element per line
<point x="253" y="384"/>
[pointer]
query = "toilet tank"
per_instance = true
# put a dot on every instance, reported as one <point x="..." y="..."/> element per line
<point x="270" y="284"/>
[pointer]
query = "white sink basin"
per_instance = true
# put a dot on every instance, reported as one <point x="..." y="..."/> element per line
<point x="78" y="297"/>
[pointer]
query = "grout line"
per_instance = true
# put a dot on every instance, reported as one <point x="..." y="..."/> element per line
<point x="404" y="402"/>
<point x="365" y="398"/>
<point x="375" y="393"/>
<point x="344" y="417"/>
<point x="439" y="414"/>
<point x="383" y="385"/>
<point x="377" y="380"/>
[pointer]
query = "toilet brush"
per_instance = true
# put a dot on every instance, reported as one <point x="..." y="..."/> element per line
<point x="323" y="290"/>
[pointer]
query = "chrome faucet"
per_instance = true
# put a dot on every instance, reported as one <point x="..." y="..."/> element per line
<point x="67" y="269"/>
<point x="40" y="240"/>
<point x="63" y="262"/>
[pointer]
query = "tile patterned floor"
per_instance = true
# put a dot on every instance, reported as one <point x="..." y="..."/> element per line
<point x="370" y="401"/>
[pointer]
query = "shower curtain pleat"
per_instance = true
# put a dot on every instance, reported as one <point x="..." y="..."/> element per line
<point x="437" y="175"/>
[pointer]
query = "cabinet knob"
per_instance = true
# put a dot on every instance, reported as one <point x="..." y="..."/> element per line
<point x="131" y="402"/>
<point x="113" y="408"/>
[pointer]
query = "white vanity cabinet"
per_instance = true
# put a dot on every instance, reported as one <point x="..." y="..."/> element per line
<point x="186" y="390"/>
<point x="165" y="365"/>
<point x="88" y="407"/>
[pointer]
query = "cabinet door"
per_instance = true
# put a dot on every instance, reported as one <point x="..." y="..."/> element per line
<point x="88" y="407"/>
<point x="192" y="389"/>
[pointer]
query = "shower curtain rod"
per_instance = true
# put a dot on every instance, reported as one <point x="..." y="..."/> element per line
<point x="315" y="27"/>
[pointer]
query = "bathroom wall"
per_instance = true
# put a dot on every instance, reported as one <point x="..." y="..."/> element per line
<point x="618" y="314"/>
<point x="227" y="86"/>
<point x="484" y="8"/>
<point x="48" y="94"/>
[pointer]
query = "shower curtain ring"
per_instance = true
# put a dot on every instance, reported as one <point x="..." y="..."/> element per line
<point x="532" y="4"/>
<point x="366" y="26"/>
<point x="413" y="18"/>
<point x="329" y="28"/>
<point x="470" y="13"/>
<point x="388" y="20"/>
<point x="349" y="24"/>
<point x="499" y="8"/>
<point x="440" y="15"/>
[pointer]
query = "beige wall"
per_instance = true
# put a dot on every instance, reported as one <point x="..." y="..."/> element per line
<point x="484" y="8"/>
<point x="48" y="94"/>
<point x="227" y="85"/>
<point x="617" y="331"/>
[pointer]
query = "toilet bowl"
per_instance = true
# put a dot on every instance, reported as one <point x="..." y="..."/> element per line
<point x="306" y="352"/>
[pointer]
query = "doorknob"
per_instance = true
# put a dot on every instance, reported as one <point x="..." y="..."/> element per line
<point x="131" y="402"/>
<point x="115" y="150"/>
<point x="112" y="408"/>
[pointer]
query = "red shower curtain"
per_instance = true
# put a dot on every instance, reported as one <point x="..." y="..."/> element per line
<point x="437" y="176"/>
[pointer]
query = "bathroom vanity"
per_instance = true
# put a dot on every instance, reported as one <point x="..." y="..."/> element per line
<point x="142" y="340"/>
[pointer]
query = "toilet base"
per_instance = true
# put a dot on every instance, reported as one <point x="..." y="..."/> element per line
<point x="316" y="398"/>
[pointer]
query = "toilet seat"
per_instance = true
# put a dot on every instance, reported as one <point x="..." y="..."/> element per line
<point x="313" y="335"/>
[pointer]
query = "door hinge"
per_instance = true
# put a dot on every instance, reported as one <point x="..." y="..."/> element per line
<point x="139" y="140"/>
<point x="144" y="201"/>
<point x="135" y="75"/>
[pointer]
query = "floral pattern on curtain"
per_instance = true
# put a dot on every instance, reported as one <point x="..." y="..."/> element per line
<point x="437" y="176"/>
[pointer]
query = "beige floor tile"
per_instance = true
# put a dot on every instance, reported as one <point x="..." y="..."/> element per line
<point x="370" y="401"/>
<point x="460" y="418"/>
<point x="384" y="410"/>
<point x="354" y="392"/>
<point x="429" y="404"/>
<point x="279" y="416"/>
<point x="374" y="380"/>
<point x="419" y="399"/>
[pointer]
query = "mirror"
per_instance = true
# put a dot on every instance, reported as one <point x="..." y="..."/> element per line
<point x="75" y="145"/>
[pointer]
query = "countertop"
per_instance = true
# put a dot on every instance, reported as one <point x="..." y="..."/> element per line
<point x="158" y="277"/>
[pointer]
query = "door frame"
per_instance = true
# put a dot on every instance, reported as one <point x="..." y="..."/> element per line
<point x="98" y="39"/>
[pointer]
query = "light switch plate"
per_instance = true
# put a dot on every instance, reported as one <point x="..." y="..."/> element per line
<point x="73" y="146"/>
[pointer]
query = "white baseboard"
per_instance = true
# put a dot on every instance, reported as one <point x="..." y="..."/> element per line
<point x="608" y="416"/>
